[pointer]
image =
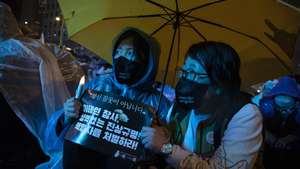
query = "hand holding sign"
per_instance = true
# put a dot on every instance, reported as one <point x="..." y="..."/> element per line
<point x="110" y="124"/>
<point x="72" y="105"/>
<point x="71" y="109"/>
<point x="154" y="138"/>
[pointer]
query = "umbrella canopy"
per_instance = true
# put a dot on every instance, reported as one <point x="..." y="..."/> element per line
<point x="241" y="24"/>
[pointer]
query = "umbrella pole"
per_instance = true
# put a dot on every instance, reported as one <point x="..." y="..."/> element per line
<point x="176" y="26"/>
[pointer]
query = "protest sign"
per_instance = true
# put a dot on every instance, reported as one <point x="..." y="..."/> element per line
<point x="110" y="124"/>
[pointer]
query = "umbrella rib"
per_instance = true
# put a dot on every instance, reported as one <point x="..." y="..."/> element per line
<point x="177" y="8"/>
<point x="162" y="26"/>
<point x="167" y="19"/>
<point x="246" y="35"/>
<point x="138" y="16"/>
<point x="188" y="11"/>
<point x="191" y="20"/>
<point x="185" y="26"/>
<point x="169" y="15"/>
<point x="160" y="5"/>
<point x="193" y="27"/>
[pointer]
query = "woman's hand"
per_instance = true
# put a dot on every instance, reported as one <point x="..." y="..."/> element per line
<point x="154" y="138"/>
<point x="71" y="109"/>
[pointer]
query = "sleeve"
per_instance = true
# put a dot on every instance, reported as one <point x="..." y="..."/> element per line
<point x="256" y="99"/>
<point x="238" y="150"/>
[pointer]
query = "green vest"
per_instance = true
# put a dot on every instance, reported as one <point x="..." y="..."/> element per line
<point x="209" y="134"/>
<point x="204" y="143"/>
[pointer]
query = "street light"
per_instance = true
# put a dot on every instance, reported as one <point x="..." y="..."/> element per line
<point x="68" y="49"/>
<point x="57" y="18"/>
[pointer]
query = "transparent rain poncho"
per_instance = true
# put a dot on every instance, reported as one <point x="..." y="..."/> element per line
<point x="32" y="83"/>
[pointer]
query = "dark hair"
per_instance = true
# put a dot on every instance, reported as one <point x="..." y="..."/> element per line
<point x="140" y="44"/>
<point x="221" y="62"/>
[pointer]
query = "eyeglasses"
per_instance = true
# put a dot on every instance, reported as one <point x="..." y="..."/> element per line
<point x="191" y="75"/>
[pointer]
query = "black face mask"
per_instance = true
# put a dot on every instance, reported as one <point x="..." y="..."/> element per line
<point x="128" y="72"/>
<point x="189" y="94"/>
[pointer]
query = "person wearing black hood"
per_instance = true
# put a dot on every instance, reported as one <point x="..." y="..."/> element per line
<point x="135" y="62"/>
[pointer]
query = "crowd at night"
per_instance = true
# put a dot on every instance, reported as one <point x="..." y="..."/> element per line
<point x="149" y="84"/>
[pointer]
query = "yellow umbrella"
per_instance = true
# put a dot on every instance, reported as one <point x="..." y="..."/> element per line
<point x="240" y="23"/>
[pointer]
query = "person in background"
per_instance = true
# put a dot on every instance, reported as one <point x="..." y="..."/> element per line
<point x="281" y="111"/>
<point x="211" y="124"/>
<point x="133" y="50"/>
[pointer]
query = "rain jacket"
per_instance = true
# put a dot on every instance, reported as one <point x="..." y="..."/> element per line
<point x="140" y="91"/>
<point x="274" y="121"/>
<point x="279" y="125"/>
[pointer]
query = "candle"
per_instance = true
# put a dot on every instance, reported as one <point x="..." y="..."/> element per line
<point x="79" y="88"/>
